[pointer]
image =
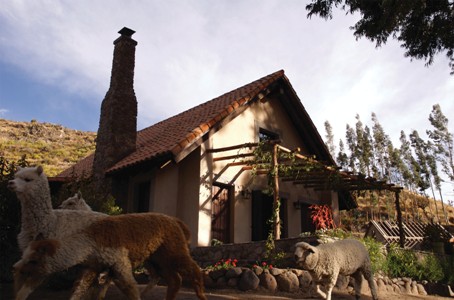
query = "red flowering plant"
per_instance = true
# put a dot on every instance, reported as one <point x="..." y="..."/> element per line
<point x="224" y="264"/>
<point x="264" y="265"/>
<point x="322" y="217"/>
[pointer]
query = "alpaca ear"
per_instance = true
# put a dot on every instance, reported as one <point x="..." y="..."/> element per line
<point x="18" y="168"/>
<point x="39" y="169"/>
<point x="79" y="194"/>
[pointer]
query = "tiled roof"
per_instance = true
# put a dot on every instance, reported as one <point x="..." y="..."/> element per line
<point x="175" y="134"/>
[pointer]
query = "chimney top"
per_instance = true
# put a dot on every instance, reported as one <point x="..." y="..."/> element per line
<point x="125" y="31"/>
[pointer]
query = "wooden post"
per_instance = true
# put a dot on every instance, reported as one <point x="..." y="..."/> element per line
<point x="399" y="221"/>
<point x="277" y="222"/>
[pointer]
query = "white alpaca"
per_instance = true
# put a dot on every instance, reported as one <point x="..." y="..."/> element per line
<point x="75" y="202"/>
<point x="120" y="243"/>
<point x="326" y="261"/>
<point x="37" y="215"/>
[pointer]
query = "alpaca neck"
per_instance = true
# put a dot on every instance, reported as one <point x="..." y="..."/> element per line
<point x="37" y="213"/>
<point x="66" y="257"/>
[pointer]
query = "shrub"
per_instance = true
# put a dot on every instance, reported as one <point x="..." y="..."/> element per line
<point x="9" y="218"/>
<point x="376" y="253"/>
<point x="404" y="263"/>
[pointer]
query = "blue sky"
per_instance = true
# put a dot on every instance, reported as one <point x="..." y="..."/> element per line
<point x="55" y="62"/>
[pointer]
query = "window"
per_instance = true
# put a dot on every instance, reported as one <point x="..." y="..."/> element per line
<point x="266" y="135"/>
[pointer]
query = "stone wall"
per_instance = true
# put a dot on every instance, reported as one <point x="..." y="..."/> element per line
<point x="247" y="253"/>
<point x="285" y="277"/>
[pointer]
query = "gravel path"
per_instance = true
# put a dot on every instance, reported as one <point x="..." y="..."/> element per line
<point x="158" y="293"/>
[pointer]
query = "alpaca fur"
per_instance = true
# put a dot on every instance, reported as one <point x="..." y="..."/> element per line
<point x="119" y="243"/>
<point x="37" y="215"/>
<point x="75" y="202"/>
<point x="326" y="261"/>
<point x="95" y="284"/>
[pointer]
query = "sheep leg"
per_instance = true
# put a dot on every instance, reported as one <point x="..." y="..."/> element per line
<point x="370" y="279"/>
<point x="319" y="291"/>
<point x="358" y="277"/>
<point x="331" y="283"/>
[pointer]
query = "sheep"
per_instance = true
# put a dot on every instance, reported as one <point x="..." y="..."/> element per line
<point x="75" y="202"/>
<point x="326" y="261"/>
<point x="119" y="243"/>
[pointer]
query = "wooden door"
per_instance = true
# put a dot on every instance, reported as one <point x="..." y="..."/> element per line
<point x="221" y="213"/>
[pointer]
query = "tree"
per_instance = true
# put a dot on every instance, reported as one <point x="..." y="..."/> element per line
<point x="342" y="157"/>
<point x="350" y="137"/>
<point x="330" y="139"/>
<point x="380" y="146"/>
<point x="424" y="28"/>
<point x="443" y="140"/>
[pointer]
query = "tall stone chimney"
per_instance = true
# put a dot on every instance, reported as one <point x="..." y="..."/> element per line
<point x="117" y="130"/>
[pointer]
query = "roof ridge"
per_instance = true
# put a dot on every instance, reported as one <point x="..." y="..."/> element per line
<point x="274" y="74"/>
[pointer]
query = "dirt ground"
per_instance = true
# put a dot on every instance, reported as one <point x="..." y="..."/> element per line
<point x="158" y="293"/>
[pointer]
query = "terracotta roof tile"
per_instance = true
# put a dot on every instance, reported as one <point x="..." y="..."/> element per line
<point x="172" y="135"/>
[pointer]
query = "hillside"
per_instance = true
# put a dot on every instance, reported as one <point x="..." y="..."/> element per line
<point x="50" y="145"/>
<point x="57" y="148"/>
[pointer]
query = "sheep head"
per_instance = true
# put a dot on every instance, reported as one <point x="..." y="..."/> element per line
<point x="31" y="269"/>
<point x="306" y="256"/>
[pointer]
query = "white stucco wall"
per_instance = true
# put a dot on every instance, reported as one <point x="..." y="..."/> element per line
<point x="271" y="116"/>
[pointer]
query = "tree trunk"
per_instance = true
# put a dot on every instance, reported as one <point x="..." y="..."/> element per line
<point x="399" y="221"/>
<point x="277" y="222"/>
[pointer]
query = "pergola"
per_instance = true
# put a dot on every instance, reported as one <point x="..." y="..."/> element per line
<point x="293" y="166"/>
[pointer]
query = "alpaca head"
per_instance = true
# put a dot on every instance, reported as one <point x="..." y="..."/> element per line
<point x="75" y="202"/>
<point x="306" y="256"/>
<point x="32" y="268"/>
<point x="28" y="179"/>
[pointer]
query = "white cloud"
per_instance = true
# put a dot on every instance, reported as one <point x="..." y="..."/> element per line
<point x="192" y="51"/>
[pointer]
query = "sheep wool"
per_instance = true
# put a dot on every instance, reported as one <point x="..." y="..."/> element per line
<point x="326" y="261"/>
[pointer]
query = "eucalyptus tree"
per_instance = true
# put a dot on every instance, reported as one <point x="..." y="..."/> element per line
<point x="330" y="139"/>
<point x="432" y="164"/>
<point x="443" y="140"/>
<point x="350" y="137"/>
<point x="363" y="147"/>
<point x="381" y="149"/>
<point x="421" y="151"/>
<point x="342" y="157"/>
<point x="409" y="168"/>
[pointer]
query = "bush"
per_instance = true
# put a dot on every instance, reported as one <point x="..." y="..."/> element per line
<point x="376" y="253"/>
<point x="404" y="263"/>
<point x="9" y="218"/>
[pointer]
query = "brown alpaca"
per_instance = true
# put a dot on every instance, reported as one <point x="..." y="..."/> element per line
<point x="119" y="243"/>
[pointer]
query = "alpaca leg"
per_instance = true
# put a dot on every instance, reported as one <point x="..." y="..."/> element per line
<point x="125" y="280"/>
<point x="193" y="275"/>
<point x="173" y="283"/>
<point x="83" y="284"/>
<point x="358" y="277"/>
<point x="153" y="277"/>
<point x="25" y="284"/>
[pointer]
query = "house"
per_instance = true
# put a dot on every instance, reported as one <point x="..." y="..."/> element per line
<point x="188" y="165"/>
